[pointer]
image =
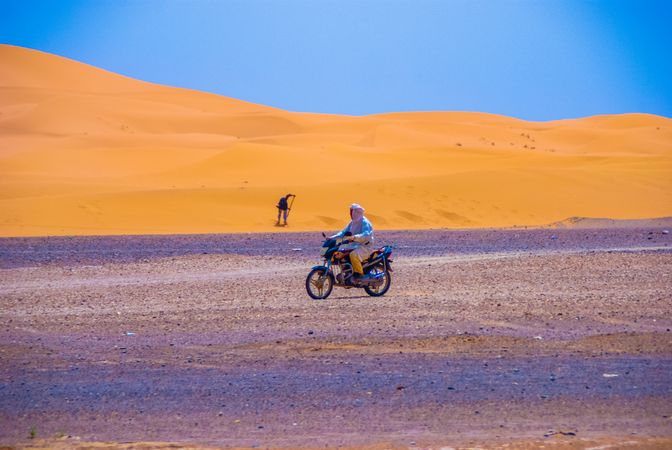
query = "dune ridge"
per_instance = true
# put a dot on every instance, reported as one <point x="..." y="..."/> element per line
<point x="597" y="222"/>
<point x="86" y="151"/>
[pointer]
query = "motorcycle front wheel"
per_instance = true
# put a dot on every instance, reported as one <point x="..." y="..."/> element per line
<point x="319" y="283"/>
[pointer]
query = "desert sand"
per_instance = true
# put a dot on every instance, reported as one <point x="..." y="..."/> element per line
<point x="89" y="152"/>
<point x="497" y="339"/>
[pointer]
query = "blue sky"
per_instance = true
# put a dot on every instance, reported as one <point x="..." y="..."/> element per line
<point x="532" y="59"/>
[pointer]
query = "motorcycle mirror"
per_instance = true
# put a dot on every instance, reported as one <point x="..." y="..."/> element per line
<point x="324" y="235"/>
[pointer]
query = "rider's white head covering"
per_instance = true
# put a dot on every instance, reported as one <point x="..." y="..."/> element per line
<point x="356" y="212"/>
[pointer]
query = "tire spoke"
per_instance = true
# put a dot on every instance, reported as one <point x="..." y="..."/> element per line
<point x="319" y="284"/>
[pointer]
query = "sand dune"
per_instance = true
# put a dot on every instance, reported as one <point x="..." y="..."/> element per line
<point x="594" y="222"/>
<point x="86" y="151"/>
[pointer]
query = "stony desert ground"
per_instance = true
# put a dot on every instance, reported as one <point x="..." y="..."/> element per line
<point x="89" y="152"/>
<point x="553" y="338"/>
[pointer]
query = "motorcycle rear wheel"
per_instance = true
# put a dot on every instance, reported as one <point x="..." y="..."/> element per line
<point x="380" y="290"/>
<point x="319" y="284"/>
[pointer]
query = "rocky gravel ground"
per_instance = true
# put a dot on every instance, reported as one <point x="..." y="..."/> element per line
<point x="78" y="250"/>
<point x="491" y="338"/>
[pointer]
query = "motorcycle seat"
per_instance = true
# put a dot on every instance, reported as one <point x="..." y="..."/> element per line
<point x="343" y="253"/>
<point x="375" y="253"/>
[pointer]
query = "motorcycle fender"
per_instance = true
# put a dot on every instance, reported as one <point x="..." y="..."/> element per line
<point x="319" y="267"/>
<point x="374" y="261"/>
<point x="378" y="261"/>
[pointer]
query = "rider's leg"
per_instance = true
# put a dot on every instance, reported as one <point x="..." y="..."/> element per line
<point x="359" y="254"/>
<point x="356" y="263"/>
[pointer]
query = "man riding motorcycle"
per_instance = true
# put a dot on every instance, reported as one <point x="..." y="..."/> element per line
<point x="359" y="232"/>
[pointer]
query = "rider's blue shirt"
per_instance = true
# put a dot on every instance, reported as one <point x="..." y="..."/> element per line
<point x="362" y="230"/>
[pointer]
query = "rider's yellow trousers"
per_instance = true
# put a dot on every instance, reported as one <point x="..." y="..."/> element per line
<point x="356" y="264"/>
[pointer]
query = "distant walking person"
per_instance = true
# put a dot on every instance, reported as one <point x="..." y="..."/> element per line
<point x="284" y="208"/>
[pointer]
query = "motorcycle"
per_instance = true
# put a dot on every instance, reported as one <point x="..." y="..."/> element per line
<point x="337" y="270"/>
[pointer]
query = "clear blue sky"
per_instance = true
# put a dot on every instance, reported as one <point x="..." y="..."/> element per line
<point x="532" y="59"/>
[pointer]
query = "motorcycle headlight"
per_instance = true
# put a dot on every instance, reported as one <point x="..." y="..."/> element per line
<point x="323" y="251"/>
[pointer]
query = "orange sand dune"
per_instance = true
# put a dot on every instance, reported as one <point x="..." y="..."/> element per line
<point x="85" y="151"/>
<point x="596" y="222"/>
